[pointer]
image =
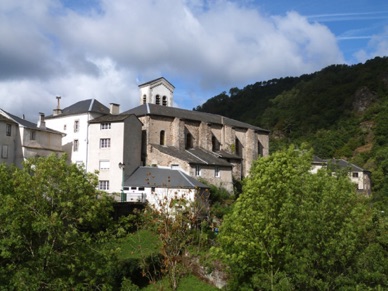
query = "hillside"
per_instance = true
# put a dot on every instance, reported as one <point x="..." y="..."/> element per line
<point x="341" y="111"/>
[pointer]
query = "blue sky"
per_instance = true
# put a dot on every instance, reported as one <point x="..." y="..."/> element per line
<point x="103" y="49"/>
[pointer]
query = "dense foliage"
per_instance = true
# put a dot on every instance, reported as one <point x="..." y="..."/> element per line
<point x="53" y="223"/>
<point x="341" y="111"/>
<point x="294" y="230"/>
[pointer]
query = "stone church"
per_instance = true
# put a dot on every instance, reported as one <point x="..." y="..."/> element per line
<point x="206" y="146"/>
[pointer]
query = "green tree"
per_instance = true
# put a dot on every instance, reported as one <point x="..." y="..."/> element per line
<point x="291" y="229"/>
<point x="52" y="226"/>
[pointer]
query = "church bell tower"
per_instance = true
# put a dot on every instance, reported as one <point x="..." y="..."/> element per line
<point x="158" y="91"/>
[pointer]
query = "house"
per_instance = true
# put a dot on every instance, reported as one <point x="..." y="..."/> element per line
<point x="74" y="122"/>
<point x="159" y="186"/>
<point x="317" y="164"/>
<point x="114" y="147"/>
<point x="21" y="139"/>
<point x="359" y="176"/>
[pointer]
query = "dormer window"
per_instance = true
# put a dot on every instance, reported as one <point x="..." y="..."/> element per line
<point x="157" y="100"/>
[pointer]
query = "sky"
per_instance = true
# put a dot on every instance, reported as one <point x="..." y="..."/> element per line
<point x="104" y="49"/>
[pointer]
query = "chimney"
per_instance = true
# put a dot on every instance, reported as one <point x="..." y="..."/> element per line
<point x="41" y="122"/>
<point x="114" y="108"/>
<point x="58" y="110"/>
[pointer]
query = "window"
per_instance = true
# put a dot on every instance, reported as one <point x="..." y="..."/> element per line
<point x="106" y="125"/>
<point x="260" y="149"/>
<point x="144" y="99"/>
<point x="105" y="143"/>
<point x="164" y="101"/>
<point x="197" y="170"/>
<point x="75" y="145"/>
<point x="216" y="171"/>
<point x="162" y="137"/>
<point x="238" y="147"/>
<point x="157" y="100"/>
<point x="215" y="144"/>
<point x="8" y="129"/>
<point x="76" y="125"/>
<point x="104" y="165"/>
<point x="4" y="151"/>
<point x="32" y="135"/>
<point x="103" y="185"/>
<point x="64" y="127"/>
<point x="189" y="141"/>
<point x="355" y="175"/>
<point x="175" y="167"/>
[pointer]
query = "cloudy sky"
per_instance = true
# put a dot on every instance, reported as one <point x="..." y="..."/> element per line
<point x="103" y="49"/>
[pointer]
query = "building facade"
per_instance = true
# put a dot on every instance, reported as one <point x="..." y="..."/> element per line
<point x="21" y="139"/>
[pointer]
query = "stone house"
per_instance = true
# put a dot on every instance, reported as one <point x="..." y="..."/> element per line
<point x="21" y="139"/>
<point x="359" y="176"/>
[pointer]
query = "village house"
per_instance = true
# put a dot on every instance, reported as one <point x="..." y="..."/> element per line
<point x="21" y="139"/>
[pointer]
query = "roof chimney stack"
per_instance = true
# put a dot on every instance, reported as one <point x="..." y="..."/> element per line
<point x="41" y="122"/>
<point x="58" y="110"/>
<point x="114" y="108"/>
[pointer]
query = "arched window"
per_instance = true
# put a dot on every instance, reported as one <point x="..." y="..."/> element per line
<point x="144" y="99"/>
<point x="157" y="100"/>
<point x="164" y="100"/>
<point x="189" y="141"/>
<point x="162" y="138"/>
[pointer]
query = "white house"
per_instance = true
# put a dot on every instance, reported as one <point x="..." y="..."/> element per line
<point x="159" y="186"/>
<point x="74" y="122"/>
<point x="21" y="139"/>
<point x="114" y="147"/>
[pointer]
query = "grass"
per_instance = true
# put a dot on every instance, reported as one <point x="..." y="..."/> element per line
<point x="140" y="244"/>
<point x="145" y="243"/>
<point x="189" y="282"/>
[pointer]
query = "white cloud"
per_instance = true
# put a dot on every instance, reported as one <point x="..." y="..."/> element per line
<point x="100" y="53"/>
<point x="377" y="46"/>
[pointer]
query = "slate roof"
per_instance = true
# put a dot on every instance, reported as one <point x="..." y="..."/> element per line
<point x="26" y="123"/>
<point x="162" y="177"/>
<point x="344" y="164"/>
<point x="153" y="109"/>
<point x="84" y="106"/>
<point x="110" y="118"/>
<point x="194" y="156"/>
<point x="155" y="81"/>
<point x="318" y="160"/>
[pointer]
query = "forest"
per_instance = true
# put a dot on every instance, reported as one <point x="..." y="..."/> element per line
<point x="340" y="111"/>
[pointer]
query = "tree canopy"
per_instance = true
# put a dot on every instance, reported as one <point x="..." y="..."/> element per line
<point x="52" y="221"/>
<point x="294" y="230"/>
